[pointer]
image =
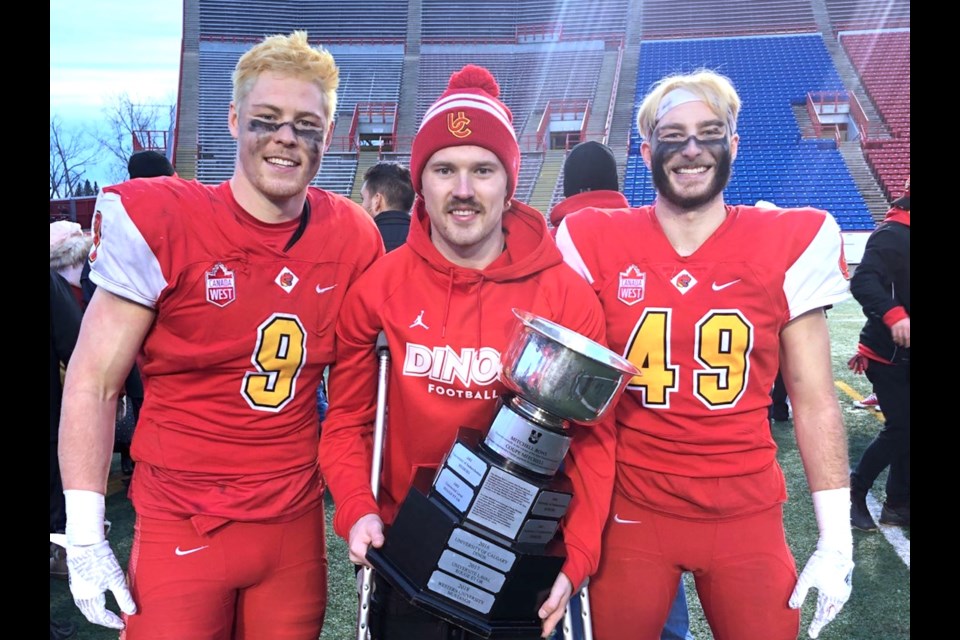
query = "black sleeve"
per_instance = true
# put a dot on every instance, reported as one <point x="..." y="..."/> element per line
<point x="86" y="284"/>
<point x="871" y="283"/>
<point x="64" y="318"/>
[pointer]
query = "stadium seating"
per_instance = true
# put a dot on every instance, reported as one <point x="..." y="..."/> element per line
<point x="882" y="59"/>
<point x="325" y="21"/>
<point x="552" y="50"/>
<point x="509" y="21"/>
<point x="701" y="18"/>
<point x="529" y="75"/>
<point x="858" y="14"/>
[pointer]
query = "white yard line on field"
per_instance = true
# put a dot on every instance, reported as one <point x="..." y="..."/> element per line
<point x="893" y="534"/>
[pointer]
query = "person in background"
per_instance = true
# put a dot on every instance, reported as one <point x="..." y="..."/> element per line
<point x="708" y="299"/>
<point x="387" y="194"/>
<point x="591" y="179"/>
<point x="881" y="284"/>
<point x="473" y="254"/>
<point x="69" y="247"/>
<point x="229" y="294"/>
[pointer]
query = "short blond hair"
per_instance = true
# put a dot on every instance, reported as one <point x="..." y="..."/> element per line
<point x="291" y="56"/>
<point x="714" y="88"/>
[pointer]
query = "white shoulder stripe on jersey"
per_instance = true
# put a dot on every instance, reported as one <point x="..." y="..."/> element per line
<point x="126" y="265"/>
<point x="471" y="101"/>
<point x="571" y="255"/>
<point x="815" y="279"/>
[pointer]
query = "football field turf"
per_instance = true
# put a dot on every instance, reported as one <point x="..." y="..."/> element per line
<point x="878" y="609"/>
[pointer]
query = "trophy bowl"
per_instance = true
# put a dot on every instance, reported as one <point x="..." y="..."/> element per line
<point x="562" y="372"/>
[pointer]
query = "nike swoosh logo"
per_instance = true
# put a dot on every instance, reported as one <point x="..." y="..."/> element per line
<point x="324" y="289"/>
<point x="189" y="551"/>
<point x="719" y="287"/>
<point x="617" y="518"/>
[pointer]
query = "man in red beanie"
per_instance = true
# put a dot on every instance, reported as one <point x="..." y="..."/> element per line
<point x="472" y="255"/>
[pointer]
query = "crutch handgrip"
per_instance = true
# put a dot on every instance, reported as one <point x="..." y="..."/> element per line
<point x="382" y="352"/>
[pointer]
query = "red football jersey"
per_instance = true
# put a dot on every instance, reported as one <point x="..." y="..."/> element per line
<point x="704" y="330"/>
<point x="446" y="327"/>
<point x="243" y="332"/>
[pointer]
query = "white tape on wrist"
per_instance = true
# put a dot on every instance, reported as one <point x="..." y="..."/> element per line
<point x="832" y="508"/>
<point x="85" y="516"/>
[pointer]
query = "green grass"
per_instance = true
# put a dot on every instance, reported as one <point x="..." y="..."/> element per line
<point x="878" y="608"/>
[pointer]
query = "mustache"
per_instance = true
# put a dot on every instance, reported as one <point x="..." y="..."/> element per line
<point x="463" y="203"/>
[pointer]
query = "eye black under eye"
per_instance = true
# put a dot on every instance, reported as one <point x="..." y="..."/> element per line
<point x="673" y="145"/>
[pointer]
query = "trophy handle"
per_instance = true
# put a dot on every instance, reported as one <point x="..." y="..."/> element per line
<point x="382" y="352"/>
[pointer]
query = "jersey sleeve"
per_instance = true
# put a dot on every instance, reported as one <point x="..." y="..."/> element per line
<point x="817" y="278"/>
<point x="590" y="463"/>
<point x="121" y="259"/>
<point x="346" y="439"/>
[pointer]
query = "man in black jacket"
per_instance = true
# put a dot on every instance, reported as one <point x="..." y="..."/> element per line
<point x="387" y="195"/>
<point x="881" y="284"/>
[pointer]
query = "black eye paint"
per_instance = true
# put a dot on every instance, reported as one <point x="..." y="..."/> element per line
<point x="664" y="148"/>
<point x="262" y="127"/>
<point x="662" y="151"/>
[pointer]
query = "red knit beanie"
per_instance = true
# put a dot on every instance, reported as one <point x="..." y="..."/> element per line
<point x="468" y="113"/>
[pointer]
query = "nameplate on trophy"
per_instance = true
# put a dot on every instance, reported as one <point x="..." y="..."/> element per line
<point x="483" y="550"/>
<point x="538" y="531"/>
<point x="551" y="504"/>
<point x="459" y="591"/>
<point x="520" y="441"/>
<point x="457" y="492"/>
<point x="471" y="571"/>
<point x="502" y="503"/>
<point x="467" y="464"/>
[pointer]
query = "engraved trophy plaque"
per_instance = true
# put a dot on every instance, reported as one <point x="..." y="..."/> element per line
<point x="476" y="540"/>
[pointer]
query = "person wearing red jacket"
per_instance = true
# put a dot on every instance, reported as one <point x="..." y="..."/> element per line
<point x="444" y="301"/>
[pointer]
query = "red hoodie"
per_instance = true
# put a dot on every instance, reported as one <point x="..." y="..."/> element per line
<point x="446" y="326"/>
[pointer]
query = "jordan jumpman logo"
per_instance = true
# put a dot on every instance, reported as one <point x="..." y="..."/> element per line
<point x="419" y="321"/>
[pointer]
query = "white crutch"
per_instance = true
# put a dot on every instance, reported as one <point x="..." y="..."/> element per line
<point x="585" y="620"/>
<point x="379" y="427"/>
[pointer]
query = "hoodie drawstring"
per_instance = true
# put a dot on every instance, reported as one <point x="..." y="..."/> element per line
<point x="479" y="312"/>
<point x="446" y="308"/>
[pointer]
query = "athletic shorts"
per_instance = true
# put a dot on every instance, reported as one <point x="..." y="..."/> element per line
<point x="243" y="581"/>
<point x="743" y="568"/>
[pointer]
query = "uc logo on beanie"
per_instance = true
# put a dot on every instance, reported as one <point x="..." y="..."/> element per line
<point x="457" y="125"/>
<point x="468" y="113"/>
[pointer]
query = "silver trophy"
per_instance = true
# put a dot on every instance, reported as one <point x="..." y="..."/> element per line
<point x="476" y="540"/>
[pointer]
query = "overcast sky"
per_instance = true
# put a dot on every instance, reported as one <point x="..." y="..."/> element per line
<point x="100" y="49"/>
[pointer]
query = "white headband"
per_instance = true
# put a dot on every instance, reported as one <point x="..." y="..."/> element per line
<point x="673" y="99"/>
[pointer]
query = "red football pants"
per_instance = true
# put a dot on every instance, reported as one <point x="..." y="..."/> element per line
<point x="743" y="569"/>
<point x="243" y="581"/>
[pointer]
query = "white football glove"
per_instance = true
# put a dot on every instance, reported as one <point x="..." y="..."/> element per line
<point x="830" y="569"/>
<point x="92" y="566"/>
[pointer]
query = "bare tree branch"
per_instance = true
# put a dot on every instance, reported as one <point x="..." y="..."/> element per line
<point x="123" y="117"/>
<point x="71" y="154"/>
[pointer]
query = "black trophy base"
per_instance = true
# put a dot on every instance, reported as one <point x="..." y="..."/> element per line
<point x="409" y="558"/>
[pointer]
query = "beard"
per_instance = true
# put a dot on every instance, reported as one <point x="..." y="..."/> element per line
<point x="722" y="169"/>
